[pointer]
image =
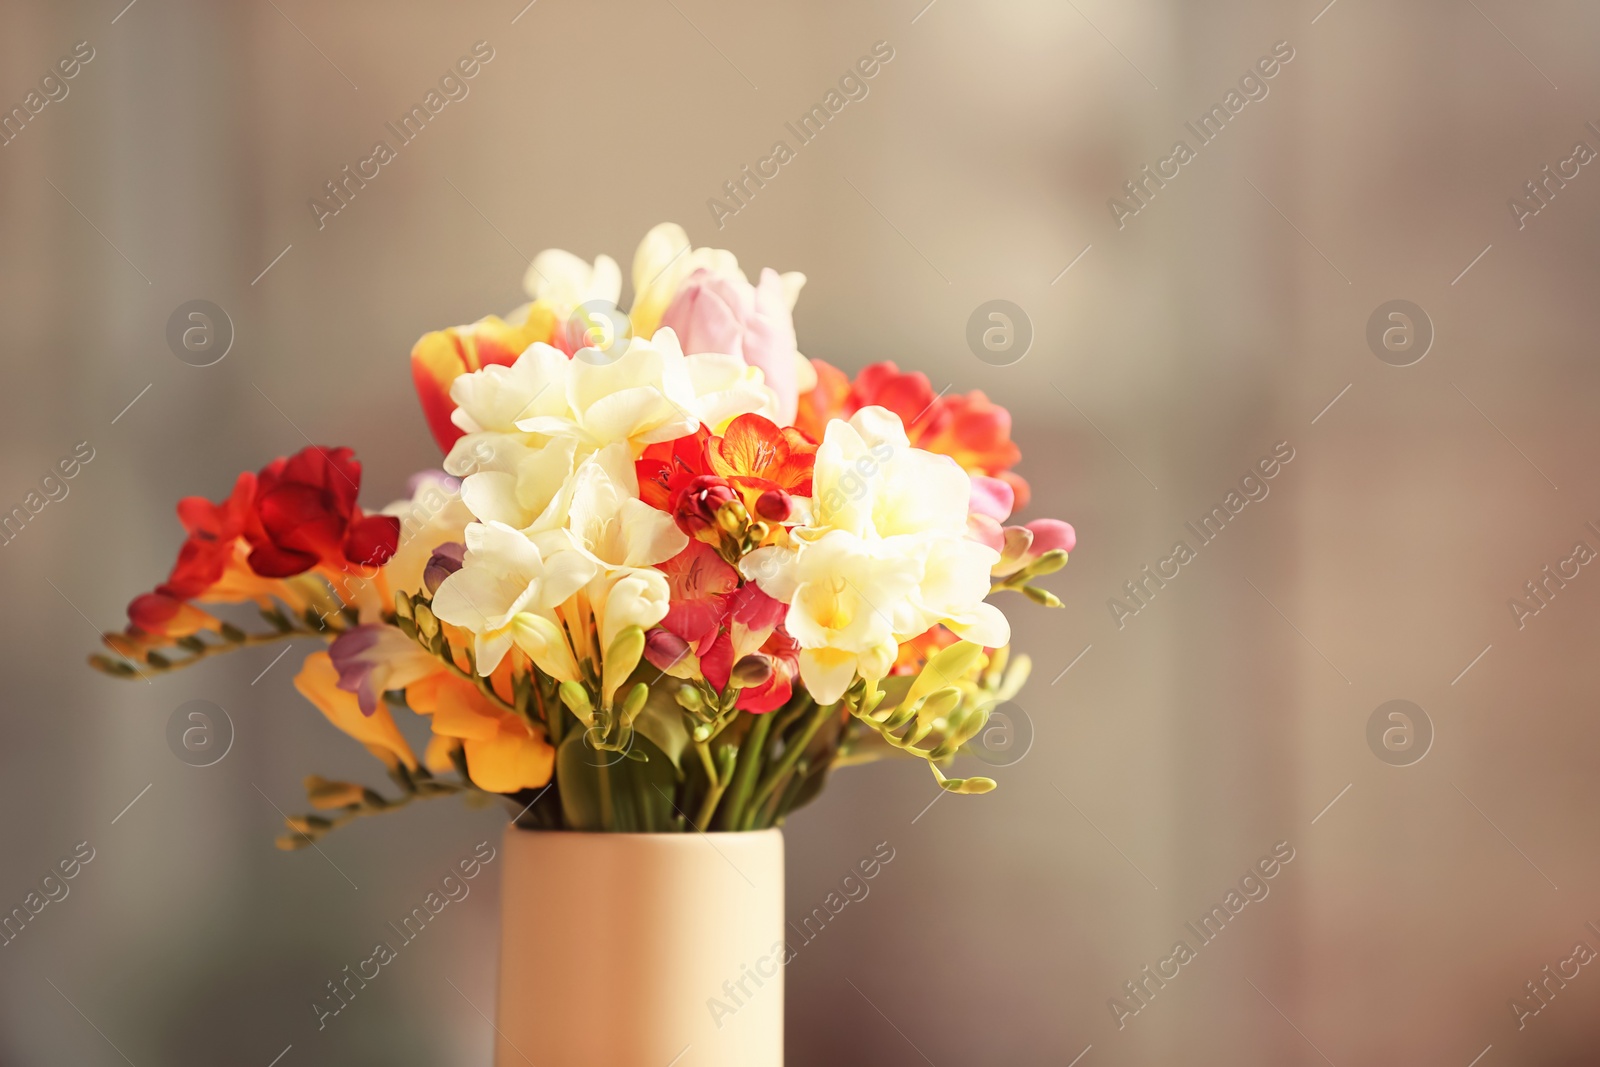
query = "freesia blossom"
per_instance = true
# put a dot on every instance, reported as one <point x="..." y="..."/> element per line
<point x="844" y="594"/>
<point x="608" y="521"/>
<point x="625" y="539"/>
<point x="1022" y="545"/>
<point x="885" y="557"/>
<point x="664" y="258"/>
<point x="720" y="313"/>
<point x="210" y="549"/>
<point x="503" y="755"/>
<point x="440" y="357"/>
<point x="759" y="457"/>
<point x="562" y="281"/>
<point x="717" y="624"/>
<point x="651" y="392"/>
<point x="298" y="514"/>
<point x="754" y="461"/>
<point x="503" y="575"/>
<point x="970" y="428"/>
<point x="318" y="682"/>
<point x="434" y="515"/>
<point x="307" y="517"/>
<point x="375" y="658"/>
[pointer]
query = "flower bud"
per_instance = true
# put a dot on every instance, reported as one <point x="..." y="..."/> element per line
<point x="634" y="704"/>
<point x="427" y="624"/>
<point x="665" y="649"/>
<point x="751" y="671"/>
<point x="774" y="505"/>
<point x="732" y="517"/>
<point x="444" y="562"/>
<point x="576" y="699"/>
<point x="1024" y="545"/>
<point x="1013" y="551"/>
<point x="701" y="503"/>
<point x="1051" y="534"/>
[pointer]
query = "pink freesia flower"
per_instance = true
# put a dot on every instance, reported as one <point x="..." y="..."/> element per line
<point x="991" y="497"/>
<point x="1024" y="544"/>
<point x="719" y="313"/>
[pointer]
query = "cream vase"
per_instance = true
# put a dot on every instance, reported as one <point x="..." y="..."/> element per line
<point x="641" y="950"/>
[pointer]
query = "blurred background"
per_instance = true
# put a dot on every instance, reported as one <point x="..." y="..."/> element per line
<point x="1441" y="461"/>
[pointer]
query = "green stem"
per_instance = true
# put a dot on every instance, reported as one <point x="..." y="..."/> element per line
<point x="127" y="667"/>
<point x="754" y="817"/>
<point x="483" y="686"/>
<point x="708" y="806"/>
<point x="374" y="804"/>
<point x="782" y="803"/>
<point x="750" y="753"/>
<point x="793" y="750"/>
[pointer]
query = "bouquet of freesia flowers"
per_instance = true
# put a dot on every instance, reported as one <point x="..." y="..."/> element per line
<point x="673" y="572"/>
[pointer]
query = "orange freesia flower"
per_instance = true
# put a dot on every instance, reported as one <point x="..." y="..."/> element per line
<point x="503" y="754"/>
<point x="823" y="402"/>
<point x="318" y="682"/>
<point x="757" y="455"/>
<point x="439" y="358"/>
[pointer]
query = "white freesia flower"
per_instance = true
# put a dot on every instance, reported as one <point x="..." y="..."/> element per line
<point x="506" y="575"/>
<point x="625" y="538"/>
<point x="522" y="485"/>
<point x="650" y="392"/>
<point x="495" y="398"/>
<point x="610" y="524"/>
<point x="843" y="593"/>
<point x="564" y="584"/>
<point x="531" y="425"/>
<point x="488" y="404"/>
<point x="564" y="281"/>
<point x="884" y="557"/>
<point x="434" y="515"/>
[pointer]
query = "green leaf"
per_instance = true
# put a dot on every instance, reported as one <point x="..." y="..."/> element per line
<point x="661" y="720"/>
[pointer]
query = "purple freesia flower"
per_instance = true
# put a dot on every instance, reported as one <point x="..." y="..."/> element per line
<point x="444" y="562"/>
<point x="374" y="658"/>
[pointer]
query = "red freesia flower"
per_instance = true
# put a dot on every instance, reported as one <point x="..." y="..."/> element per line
<point x="666" y="469"/>
<point x="699" y="583"/>
<point x="783" y="653"/>
<point x="755" y="461"/>
<point x="307" y="516"/>
<point x="207" y="550"/>
<point x="298" y="513"/>
<point x="212" y="530"/>
<point x="715" y="624"/>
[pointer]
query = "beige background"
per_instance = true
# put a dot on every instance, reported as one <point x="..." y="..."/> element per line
<point x="1222" y="719"/>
